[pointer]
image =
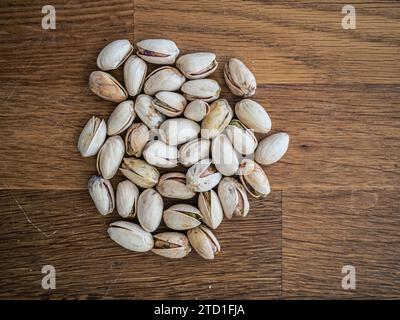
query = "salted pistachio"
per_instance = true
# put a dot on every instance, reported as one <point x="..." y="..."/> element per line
<point x="160" y="154"/>
<point x="204" y="242"/>
<point x="176" y="131"/>
<point x="157" y="51"/>
<point x="254" y="179"/>
<point x="147" y="113"/>
<point x="242" y="138"/>
<point x="202" y="176"/>
<point x="172" y="245"/>
<point x="107" y="87"/>
<point x="163" y="79"/>
<point x="92" y="137"/>
<point x="201" y="89"/>
<point x="197" y="65"/>
<point x="193" y="151"/>
<point x="121" y="118"/>
<point x="239" y="78"/>
<point x="272" y="148"/>
<point x="110" y="156"/>
<point x="102" y="194"/>
<point x="171" y="104"/>
<point x="217" y="119"/>
<point x="135" y="70"/>
<point x="136" y="138"/>
<point x="210" y="208"/>
<point x="253" y="115"/>
<point x="196" y="110"/>
<point x="150" y="209"/>
<point x="173" y="185"/>
<point x="130" y="236"/>
<point x="182" y="217"/>
<point x="233" y="198"/>
<point x="126" y="199"/>
<point x="114" y="54"/>
<point x="140" y="172"/>
<point x="224" y="156"/>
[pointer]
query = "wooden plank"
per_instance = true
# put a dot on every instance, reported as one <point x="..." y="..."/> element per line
<point x="63" y="229"/>
<point x="326" y="230"/>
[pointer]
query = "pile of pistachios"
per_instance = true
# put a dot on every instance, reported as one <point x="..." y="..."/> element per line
<point x="203" y="147"/>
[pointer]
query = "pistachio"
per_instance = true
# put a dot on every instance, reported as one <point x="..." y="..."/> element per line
<point x="224" y="156"/>
<point x="157" y="51"/>
<point x="204" y="242"/>
<point x="92" y="137"/>
<point x="202" y="176"/>
<point x="114" y="54"/>
<point x="172" y="245"/>
<point x="242" y="138"/>
<point x="147" y="113"/>
<point x="197" y="65"/>
<point x="196" y="110"/>
<point x="135" y="70"/>
<point x="233" y="198"/>
<point x="130" y="236"/>
<point x="272" y="148"/>
<point x="217" y="119"/>
<point x="150" y="209"/>
<point x="140" y="172"/>
<point x="178" y="130"/>
<point x="182" y="217"/>
<point x="171" y="104"/>
<point x="239" y="78"/>
<point x="121" y="118"/>
<point x="202" y="89"/>
<point x="254" y="179"/>
<point x="173" y="185"/>
<point x="110" y="156"/>
<point x="136" y="138"/>
<point x="126" y="199"/>
<point x="193" y="151"/>
<point x="102" y="194"/>
<point x="160" y="154"/>
<point x="107" y="87"/>
<point x="253" y="115"/>
<point x="210" y="208"/>
<point x="163" y="79"/>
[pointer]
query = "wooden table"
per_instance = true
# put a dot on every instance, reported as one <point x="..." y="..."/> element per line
<point x="335" y="198"/>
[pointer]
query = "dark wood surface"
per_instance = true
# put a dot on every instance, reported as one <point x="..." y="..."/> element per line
<point x="335" y="198"/>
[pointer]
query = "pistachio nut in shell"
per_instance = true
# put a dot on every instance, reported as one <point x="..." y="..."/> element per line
<point x="254" y="179"/>
<point x="114" y="54"/>
<point x="196" y="110"/>
<point x="107" y="87"/>
<point x="242" y="138"/>
<point x="193" y="151"/>
<point x="110" y="156"/>
<point x="121" y="118"/>
<point x="182" y="217"/>
<point x="203" y="176"/>
<point x="102" y="194"/>
<point x="239" y="79"/>
<point x="173" y="185"/>
<point x="150" y="209"/>
<point x="136" y="138"/>
<point x="135" y="70"/>
<point x="172" y="245"/>
<point x="157" y="51"/>
<point x="139" y="172"/>
<point x="160" y="154"/>
<point x="233" y="198"/>
<point x="272" y="148"/>
<point x="204" y="242"/>
<point x="147" y="113"/>
<point x="224" y="155"/>
<point x="253" y="115"/>
<point x="197" y="65"/>
<point x="176" y="131"/>
<point x="130" y="236"/>
<point x="163" y="79"/>
<point x="217" y="119"/>
<point x="92" y="137"/>
<point x="126" y="199"/>
<point x="210" y="208"/>
<point x="201" y="89"/>
<point x="171" y="104"/>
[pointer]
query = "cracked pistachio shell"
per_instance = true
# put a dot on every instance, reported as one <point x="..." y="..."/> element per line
<point x="130" y="236"/>
<point x="193" y="151"/>
<point x="121" y="118"/>
<point x="239" y="78"/>
<point x="272" y="148"/>
<point x="102" y="194"/>
<point x="126" y="199"/>
<point x="203" y="176"/>
<point x="202" y="89"/>
<point x="233" y="198"/>
<point x="254" y="179"/>
<point x="217" y="120"/>
<point x="147" y="113"/>
<point x="172" y="245"/>
<point x="157" y="51"/>
<point x="136" y="138"/>
<point x="253" y="115"/>
<point x="196" y="110"/>
<point x="114" y="54"/>
<point x="110" y="156"/>
<point x="150" y="209"/>
<point x="140" y="172"/>
<point x="182" y="217"/>
<point x="173" y="185"/>
<point x="178" y="130"/>
<point x="92" y="137"/>
<point x="135" y="70"/>
<point x="171" y="104"/>
<point x="160" y="154"/>
<point x="241" y="137"/>
<point x="224" y="156"/>
<point x="210" y="208"/>
<point x="204" y="242"/>
<point x="163" y="79"/>
<point x="197" y="65"/>
<point x="107" y="87"/>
